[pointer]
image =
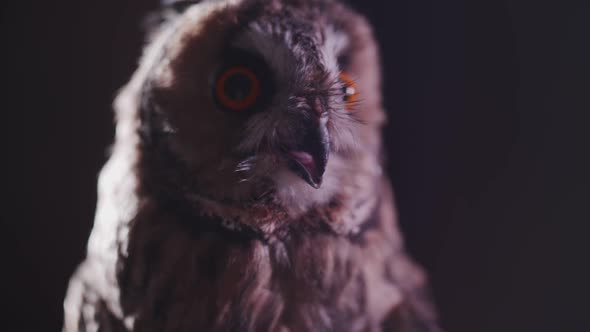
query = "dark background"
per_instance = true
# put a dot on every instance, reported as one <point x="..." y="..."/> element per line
<point x="486" y="144"/>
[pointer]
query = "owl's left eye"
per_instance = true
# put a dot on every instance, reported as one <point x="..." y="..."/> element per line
<point x="237" y="88"/>
<point x="349" y="90"/>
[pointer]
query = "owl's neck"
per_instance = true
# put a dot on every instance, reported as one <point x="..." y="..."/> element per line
<point x="267" y="221"/>
<point x="253" y="220"/>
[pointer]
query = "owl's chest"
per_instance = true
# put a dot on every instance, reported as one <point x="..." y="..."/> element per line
<point x="206" y="282"/>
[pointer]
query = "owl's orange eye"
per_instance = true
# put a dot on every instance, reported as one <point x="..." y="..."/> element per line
<point x="349" y="90"/>
<point x="237" y="88"/>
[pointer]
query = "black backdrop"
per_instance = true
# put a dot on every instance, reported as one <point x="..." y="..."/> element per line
<point x="486" y="144"/>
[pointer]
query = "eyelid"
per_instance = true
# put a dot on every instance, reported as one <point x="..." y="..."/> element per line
<point x="346" y="78"/>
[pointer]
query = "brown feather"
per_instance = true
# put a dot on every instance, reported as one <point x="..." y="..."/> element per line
<point x="183" y="242"/>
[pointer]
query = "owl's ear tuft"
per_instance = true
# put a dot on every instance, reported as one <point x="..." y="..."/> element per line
<point x="178" y="5"/>
<point x="168" y="10"/>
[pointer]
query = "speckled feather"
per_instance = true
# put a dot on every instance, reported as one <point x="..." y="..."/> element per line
<point x="201" y="227"/>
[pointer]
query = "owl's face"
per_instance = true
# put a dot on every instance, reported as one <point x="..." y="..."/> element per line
<point x="265" y="97"/>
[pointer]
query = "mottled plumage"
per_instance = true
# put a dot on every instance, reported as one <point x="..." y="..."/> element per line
<point x="276" y="217"/>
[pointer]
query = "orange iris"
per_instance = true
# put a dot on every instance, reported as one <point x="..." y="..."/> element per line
<point x="237" y="88"/>
<point x="350" y="90"/>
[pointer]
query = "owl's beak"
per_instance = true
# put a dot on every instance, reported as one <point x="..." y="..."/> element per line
<point x="309" y="159"/>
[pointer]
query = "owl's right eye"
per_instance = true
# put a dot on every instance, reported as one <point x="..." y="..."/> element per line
<point x="237" y="88"/>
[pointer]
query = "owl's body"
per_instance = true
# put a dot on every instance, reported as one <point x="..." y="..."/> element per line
<point x="245" y="192"/>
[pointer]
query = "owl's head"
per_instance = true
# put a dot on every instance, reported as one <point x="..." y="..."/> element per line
<point x="251" y="98"/>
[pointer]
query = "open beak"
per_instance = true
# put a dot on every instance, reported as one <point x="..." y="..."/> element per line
<point x="308" y="160"/>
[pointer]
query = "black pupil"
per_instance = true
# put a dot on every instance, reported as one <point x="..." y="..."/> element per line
<point x="238" y="86"/>
<point x="345" y="91"/>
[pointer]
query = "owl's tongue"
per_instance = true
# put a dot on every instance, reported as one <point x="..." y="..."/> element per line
<point x="305" y="166"/>
<point x="305" y="159"/>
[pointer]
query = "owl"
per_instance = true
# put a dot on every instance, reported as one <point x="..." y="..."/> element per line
<point x="245" y="190"/>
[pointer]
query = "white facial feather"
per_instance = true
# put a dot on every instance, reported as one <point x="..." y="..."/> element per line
<point x="292" y="191"/>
